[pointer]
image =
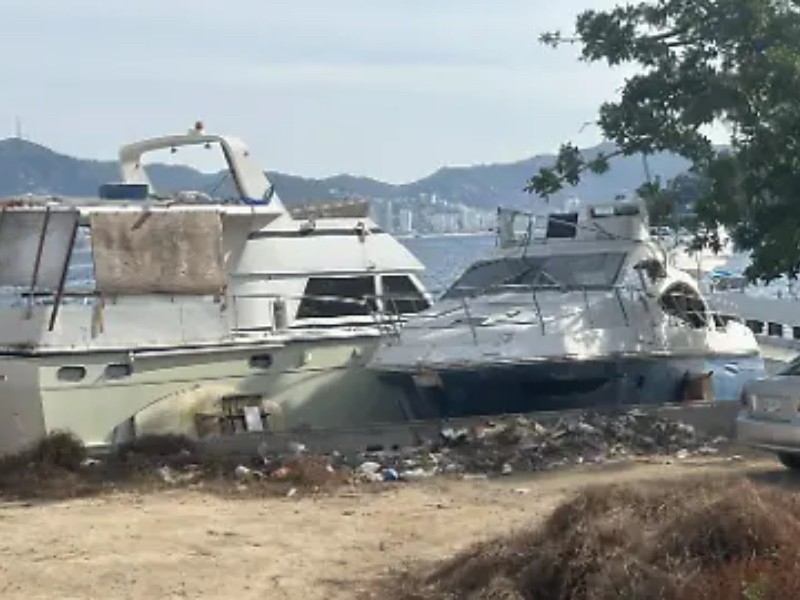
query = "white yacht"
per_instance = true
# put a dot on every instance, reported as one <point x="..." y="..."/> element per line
<point x="134" y="313"/>
<point x="573" y="310"/>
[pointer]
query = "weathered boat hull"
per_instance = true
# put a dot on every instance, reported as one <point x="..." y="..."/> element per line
<point x="303" y="384"/>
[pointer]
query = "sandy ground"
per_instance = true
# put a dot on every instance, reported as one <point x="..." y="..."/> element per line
<point x="186" y="544"/>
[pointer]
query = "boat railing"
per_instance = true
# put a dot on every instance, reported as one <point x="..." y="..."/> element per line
<point x="385" y="311"/>
<point x="382" y="310"/>
<point x="624" y="298"/>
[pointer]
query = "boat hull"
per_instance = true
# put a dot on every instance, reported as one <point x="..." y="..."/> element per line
<point x="311" y="384"/>
<point x="561" y="385"/>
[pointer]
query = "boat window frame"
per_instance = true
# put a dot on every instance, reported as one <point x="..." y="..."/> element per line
<point x="454" y="292"/>
<point x="307" y="300"/>
<point x="392" y="305"/>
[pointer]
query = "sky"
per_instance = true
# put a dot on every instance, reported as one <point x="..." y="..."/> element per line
<point x="391" y="89"/>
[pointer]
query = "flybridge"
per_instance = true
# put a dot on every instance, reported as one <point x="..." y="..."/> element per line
<point x="615" y="221"/>
<point x="252" y="185"/>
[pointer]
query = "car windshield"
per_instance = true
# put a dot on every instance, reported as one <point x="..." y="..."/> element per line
<point x="558" y="271"/>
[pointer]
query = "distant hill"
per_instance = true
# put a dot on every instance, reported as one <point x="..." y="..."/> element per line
<point x="26" y="167"/>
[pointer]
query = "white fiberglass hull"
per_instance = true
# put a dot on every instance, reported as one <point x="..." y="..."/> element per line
<point x="318" y="384"/>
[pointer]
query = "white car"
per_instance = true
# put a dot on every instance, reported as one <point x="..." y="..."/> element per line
<point x="770" y="414"/>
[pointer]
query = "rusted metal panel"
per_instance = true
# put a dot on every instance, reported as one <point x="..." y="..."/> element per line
<point x="158" y="252"/>
<point x="33" y="247"/>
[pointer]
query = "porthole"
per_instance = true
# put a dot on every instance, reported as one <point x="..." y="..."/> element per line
<point x="118" y="371"/>
<point x="71" y="373"/>
<point x="261" y="361"/>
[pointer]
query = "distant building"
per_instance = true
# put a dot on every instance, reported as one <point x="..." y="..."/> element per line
<point x="405" y="221"/>
<point x="381" y="211"/>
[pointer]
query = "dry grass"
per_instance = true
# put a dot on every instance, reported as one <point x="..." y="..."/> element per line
<point x="720" y="539"/>
<point x="57" y="467"/>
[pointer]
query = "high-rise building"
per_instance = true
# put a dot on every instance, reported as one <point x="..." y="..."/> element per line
<point x="381" y="211"/>
<point x="405" y="220"/>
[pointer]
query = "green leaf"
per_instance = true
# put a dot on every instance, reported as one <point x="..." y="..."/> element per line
<point x="706" y="62"/>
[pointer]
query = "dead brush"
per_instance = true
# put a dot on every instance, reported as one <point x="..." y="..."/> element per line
<point x="670" y="541"/>
<point x="56" y="468"/>
<point x="50" y="468"/>
<point x="750" y="579"/>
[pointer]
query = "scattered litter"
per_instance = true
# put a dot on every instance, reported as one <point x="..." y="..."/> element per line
<point x="282" y="473"/>
<point x="296" y="448"/>
<point x="390" y="475"/>
<point x="416" y="474"/>
<point x="243" y="473"/>
<point x="475" y="476"/>
<point x="369" y="467"/>
<point x="502" y="446"/>
<point x="166" y="475"/>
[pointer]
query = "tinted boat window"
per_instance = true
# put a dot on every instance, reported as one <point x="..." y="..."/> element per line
<point x="565" y="271"/>
<point x="401" y="296"/>
<point x="337" y="297"/>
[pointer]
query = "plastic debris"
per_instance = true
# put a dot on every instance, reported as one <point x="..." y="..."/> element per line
<point x="518" y="444"/>
<point x="166" y="474"/>
<point x="282" y="472"/>
<point x="296" y="448"/>
<point x="243" y="473"/>
<point x="369" y="467"/>
<point x="416" y="474"/>
<point x="500" y="445"/>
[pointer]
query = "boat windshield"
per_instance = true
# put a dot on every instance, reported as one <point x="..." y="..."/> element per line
<point x="539" y="272"/>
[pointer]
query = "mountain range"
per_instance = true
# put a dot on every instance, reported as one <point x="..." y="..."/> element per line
<point x="27" y="167"/>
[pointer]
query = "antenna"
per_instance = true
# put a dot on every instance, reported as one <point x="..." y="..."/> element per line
<point x="18" y="128"/>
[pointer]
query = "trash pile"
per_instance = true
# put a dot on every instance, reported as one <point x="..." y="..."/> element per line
<point x="58" y="466"/>
<point x="524" y="445"/>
